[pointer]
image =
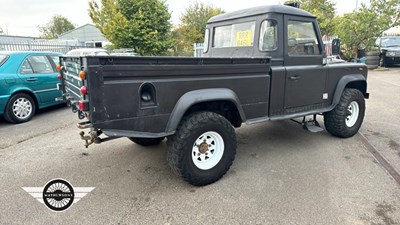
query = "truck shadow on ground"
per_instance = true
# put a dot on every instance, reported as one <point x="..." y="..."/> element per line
<point x="254" y="142"/>
<point x="279" y="134"/>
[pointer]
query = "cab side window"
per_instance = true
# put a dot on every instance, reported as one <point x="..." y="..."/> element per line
<point x="235" y="35"/>
<point x="302" y="38"/>
<point x="37" y="64"/>
<point x="268" y="36"/>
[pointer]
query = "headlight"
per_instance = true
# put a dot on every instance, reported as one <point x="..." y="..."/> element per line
<point x="391" y="53"/>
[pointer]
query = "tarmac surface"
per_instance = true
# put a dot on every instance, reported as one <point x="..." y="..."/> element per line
<point x="282" y="174"/>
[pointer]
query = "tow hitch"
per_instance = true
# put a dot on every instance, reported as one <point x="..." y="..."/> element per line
<point x="93" y="137"/>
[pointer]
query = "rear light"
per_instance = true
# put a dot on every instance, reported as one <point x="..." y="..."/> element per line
<point x="58" y="67"/>
<point x="82" y="75"/>
<point x="59" y="76"/>
<point x="84" y="90"/>
<point x="83" y="105"/>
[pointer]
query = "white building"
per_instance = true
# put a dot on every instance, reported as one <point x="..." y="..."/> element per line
<point x="394" y="31"/>
<point x="87" y="35"/>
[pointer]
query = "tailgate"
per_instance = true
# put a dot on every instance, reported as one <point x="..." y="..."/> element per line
<point x="71" y="83"/>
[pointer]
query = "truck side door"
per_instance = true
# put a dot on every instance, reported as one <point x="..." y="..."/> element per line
<point x="305" y="72"/>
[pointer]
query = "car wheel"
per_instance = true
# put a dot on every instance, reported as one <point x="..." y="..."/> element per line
<point x="147" y="141"/>
<point x="346" y="118"/>
<point x="20" y="108"/>
<point x="202" y="149"/>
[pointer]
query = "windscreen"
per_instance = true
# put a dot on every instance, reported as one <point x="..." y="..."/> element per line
<point x="390" y="42"/>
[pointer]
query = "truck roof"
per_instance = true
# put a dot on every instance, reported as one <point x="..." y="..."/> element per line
<point x="283" y="9"/>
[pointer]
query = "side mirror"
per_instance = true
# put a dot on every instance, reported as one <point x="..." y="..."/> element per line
<point x="335" y="46"/>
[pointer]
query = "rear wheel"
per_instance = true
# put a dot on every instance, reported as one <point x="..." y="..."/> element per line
<point x="20" y="108"/>
<point x="147" y="141"/>
<point x="203" y="148"/>
<point x="346" y="118"/>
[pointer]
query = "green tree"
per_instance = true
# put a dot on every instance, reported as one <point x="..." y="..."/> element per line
<point x="361" y="28"/>
<point x="195" y="18"/>
<point x="192" y="27"/>
<point x="182" y="45"/>
<point x="139" y="24"/>
<point x="324" y="10"/>
<point x="57" y="25"/>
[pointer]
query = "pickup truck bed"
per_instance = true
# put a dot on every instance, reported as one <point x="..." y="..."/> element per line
<point x="117" y="86"/>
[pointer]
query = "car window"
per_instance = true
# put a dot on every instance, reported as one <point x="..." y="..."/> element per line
<point x="268" y="36"/>
<point x="56" y="59"/>
<point x="37" y="64"/>
<point x="302" y="38"/>
<point x="3" y="59"/>
<point x="206" y="40"/>
<point x="235" y="35"/>
<point x="26" y="68"/>
<point x="390" y="42"/>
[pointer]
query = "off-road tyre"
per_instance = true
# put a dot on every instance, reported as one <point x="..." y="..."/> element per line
<point x="337" y="121"/>
<point x="147" y="141"/>
<point x="182" y="145"/>
<point x="25" y="100"/>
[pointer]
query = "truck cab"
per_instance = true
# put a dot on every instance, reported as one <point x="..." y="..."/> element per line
<point x="291" y="37"/>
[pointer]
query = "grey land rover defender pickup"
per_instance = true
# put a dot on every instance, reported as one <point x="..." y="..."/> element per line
<point x="260" y="64"/>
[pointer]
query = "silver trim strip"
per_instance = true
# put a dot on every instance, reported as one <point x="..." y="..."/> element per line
<point x="46" y="90"/>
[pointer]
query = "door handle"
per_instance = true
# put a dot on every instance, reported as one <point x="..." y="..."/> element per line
<point x="32" y="79"/>
<point x="295" y="77"/>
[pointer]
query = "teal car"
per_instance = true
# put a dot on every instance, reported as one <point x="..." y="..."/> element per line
<point x="28" y="82"/>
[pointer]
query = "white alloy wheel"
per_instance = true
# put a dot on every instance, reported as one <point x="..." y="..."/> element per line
<point x="22" y="108"/>
<point x="208" y="150"/>
<point x="354" y="110"/>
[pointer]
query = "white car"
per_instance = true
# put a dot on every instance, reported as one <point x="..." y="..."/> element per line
<point x="88" y="51"/>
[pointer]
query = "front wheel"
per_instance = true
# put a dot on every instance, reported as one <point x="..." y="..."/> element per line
<point x="20" y="108"/>
<point x="346" y="118"/>
<point x="203" y="148"/>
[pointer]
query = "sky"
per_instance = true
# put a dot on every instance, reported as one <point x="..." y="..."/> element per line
<point x="23" y="17"/>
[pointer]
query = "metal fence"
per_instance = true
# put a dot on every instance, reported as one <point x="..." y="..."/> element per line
<point x="39" y="45"/>
<point x="198" y="49"/>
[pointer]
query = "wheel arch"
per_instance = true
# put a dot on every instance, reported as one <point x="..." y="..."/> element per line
<point x="219" y="100"/>
<point x="30" y="93"/>
<point x="356" y="81"/>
